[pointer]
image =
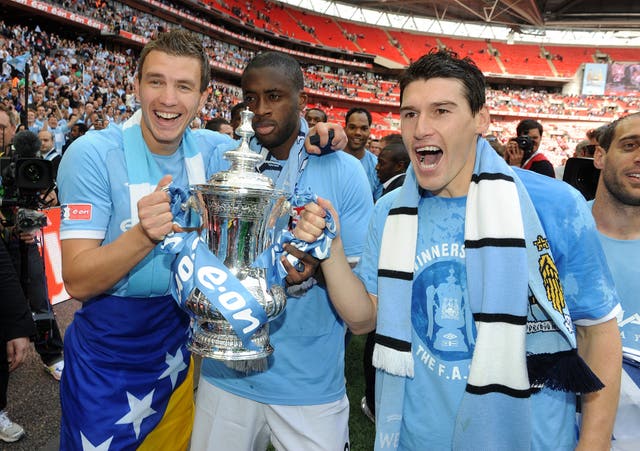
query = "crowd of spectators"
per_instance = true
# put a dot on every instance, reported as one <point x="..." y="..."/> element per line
<point x="83" y="82"/>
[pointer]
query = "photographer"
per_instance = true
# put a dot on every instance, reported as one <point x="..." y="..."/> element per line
<point x="19" y="231"/>
<point x="524" y="150"/>
<point x="16" y="325"/>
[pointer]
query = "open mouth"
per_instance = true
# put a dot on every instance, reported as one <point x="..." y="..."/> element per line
<point x="429" y="156"/>
<point x="167" y="116"/>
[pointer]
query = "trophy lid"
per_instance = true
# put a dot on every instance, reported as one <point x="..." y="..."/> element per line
<point x="243" y="174"/>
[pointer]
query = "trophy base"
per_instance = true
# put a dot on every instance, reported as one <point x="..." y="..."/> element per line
<point x="217" y="340"/>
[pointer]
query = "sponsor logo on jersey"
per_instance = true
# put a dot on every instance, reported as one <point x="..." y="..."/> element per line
<point x="76" y="212"/>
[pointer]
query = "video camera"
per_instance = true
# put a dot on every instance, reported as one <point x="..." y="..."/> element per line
<point x="26" y="178"/>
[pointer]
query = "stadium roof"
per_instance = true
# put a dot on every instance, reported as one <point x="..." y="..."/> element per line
<point x="583" y="14"/>
<point x="575" y="22"/>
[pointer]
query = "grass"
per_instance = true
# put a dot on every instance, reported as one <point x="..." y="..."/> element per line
<point x="361" y="429"/>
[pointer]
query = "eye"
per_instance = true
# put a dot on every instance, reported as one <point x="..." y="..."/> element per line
<point x="408" y="114"/>
<point x="274" y="97"/>
<point x="441" y="111"/>
<point x="630" y="146"/>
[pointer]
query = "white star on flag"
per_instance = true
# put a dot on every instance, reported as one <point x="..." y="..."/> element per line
<point x="140" y="409"/>
<point x="175" y="365"/>
<point x="88" y="446"/>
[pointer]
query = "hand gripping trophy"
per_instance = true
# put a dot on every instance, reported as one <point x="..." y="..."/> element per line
<point x="233" y="305"/>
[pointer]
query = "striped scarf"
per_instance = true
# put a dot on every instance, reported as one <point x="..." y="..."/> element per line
<point x="507" y="254"/>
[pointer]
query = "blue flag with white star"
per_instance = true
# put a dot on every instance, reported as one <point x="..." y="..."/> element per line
<point x="127" y="381"/>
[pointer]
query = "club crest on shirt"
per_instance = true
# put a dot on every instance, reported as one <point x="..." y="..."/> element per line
<point x="551" y="282"/>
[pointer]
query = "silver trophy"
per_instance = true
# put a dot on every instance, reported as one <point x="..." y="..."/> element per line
<point x="239" y="209"/>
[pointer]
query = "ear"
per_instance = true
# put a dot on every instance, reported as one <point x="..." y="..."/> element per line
<point x="203" y="99"/>
<point x="599" y="157"/>
<point x="302" y="101"/>
<point x="483" y="119"/>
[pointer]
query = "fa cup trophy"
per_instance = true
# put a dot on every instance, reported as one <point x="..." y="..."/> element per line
<point x="239" y="209"/>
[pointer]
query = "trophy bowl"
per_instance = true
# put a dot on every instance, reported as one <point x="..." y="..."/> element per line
<point x="240" y="209"/>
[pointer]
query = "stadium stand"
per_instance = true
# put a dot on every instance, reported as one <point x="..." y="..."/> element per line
<point x="329" y="82"/>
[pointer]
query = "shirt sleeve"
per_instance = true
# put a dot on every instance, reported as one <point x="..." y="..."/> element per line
<point x="84" y="192"/>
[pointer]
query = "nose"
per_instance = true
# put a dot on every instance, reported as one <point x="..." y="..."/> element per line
<point x="424" y="127"/>
<point x="260" y="107"/>
<point x="168" y="96"/>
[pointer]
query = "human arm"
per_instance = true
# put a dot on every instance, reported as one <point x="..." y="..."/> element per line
<point x="599" y="345"/>
<point x="89" y="269"/>
<point x="347" y="293"/>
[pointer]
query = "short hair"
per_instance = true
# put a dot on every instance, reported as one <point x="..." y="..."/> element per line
<point x="82" y="127"/>
<point x="606" y="137"/>
<point x="286" y="63"/>
<point x="447" y="64"/>
<point x="215" y="123"/>
<point x="528" y="124"/>
<point x="358" y="109"/>
<point x="321" y="111"/>
<point x="179" y="42"/>
<point x="398" y="152"/>
<point x="596" y="132"/>
<point x="391" y="138"/>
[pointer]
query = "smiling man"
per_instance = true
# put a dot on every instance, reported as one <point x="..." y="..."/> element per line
<point x="616" y="210"/>
<point x="128" y="378"/>
<point x="474" y="274"/>
<point x="357" y="126"/>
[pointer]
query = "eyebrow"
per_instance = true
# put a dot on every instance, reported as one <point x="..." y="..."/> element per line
<point x="432" y="105"/>
<point x="164" y="77"/>
<point x="626" y="137"/>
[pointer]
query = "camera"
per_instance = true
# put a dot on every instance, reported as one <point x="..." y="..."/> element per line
<point x="25" y="177"/>
<point x="24" y="180"/>
<point x="525" y="143"/>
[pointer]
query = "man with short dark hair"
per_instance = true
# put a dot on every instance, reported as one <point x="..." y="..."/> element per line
<point x="77" y="130"/>
<point x="357" y="126"/>
<point x="616" y="210"/>
<point x="393" y="162"/>
<point x="128" y="377"/>
<point x="220" y="125"/>
<point x="299" y="402"/>
<point x="474" y="275"/>
<point x="16" y="324"/>
<point x="530" y="158"/>
<point x="315" y="115"/>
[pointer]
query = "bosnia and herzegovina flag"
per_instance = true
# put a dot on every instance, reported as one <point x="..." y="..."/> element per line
<point x="128" y="379"/>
